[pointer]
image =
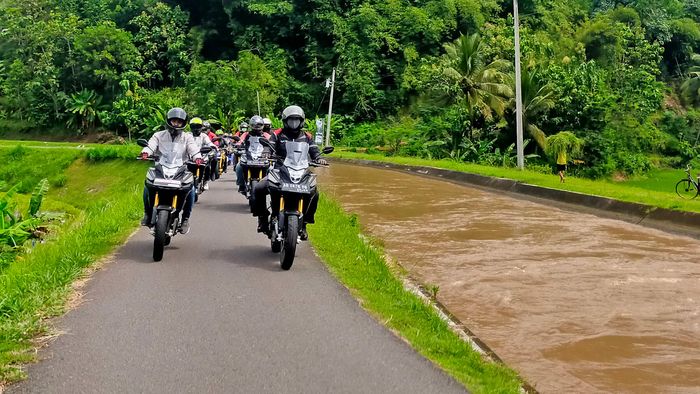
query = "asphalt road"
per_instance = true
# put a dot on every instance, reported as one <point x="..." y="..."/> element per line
<point x="219" y="315"/>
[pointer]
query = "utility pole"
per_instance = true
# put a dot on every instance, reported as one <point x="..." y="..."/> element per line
<point x="257" y="93"/>
<point x="330" y="108"/>
<point x="518" y="90"/>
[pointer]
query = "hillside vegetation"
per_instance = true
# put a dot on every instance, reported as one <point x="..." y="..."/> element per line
<point x="427" y="78"/>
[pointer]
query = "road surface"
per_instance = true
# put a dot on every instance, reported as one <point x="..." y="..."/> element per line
<point x="218" y="315"/>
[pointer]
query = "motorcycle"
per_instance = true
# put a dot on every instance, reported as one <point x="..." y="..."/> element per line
<point x="291" y="182"/>
<point x="257" y="165"/>
<point x="199" y="172"/>
<point x="172" y="182"/>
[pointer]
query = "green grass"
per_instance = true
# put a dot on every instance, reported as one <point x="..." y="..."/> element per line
<point x="361" y="267"/>
<point x="103" y="210"/>
<point x="34" y="144"/>
<point x="656" y="189"/>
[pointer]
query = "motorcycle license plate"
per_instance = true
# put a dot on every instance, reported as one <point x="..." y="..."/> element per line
<point x="295" y="188"/>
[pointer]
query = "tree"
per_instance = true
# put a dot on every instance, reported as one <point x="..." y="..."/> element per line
<point x="537" y="99"/>
<point x="160" y="34"/>
<point x="232" y="86"/>
<point x="480" y="88"/>
<point x="105" y="56"/>
<point x="690" y="90"/>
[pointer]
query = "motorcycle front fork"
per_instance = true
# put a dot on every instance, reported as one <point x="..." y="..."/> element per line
<point x="279" y="223"/>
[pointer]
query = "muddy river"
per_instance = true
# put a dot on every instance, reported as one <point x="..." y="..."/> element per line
<point x="574" y="302"/>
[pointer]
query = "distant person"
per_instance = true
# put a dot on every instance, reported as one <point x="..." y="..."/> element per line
<point x="561" y="165"/>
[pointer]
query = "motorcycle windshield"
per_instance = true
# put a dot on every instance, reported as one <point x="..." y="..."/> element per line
<point x="255" y="148"/>
<point x="297" y="155"/>
<point x="171" y="158"/>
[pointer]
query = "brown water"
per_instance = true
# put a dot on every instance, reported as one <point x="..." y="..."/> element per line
<point x="574" y="302"/>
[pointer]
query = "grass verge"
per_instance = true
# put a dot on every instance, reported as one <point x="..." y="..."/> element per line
<point x="361" y="267"/>
<point x="103" y="211"/>
<point x="657" y="189"/>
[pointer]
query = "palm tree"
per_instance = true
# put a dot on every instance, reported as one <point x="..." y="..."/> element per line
<point x="537" y="98"/>
<point x="690" y="90"/>
<point x="478" y="86"/>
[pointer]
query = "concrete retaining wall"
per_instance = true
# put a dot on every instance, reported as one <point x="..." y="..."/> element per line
<point x="678" y="222"/>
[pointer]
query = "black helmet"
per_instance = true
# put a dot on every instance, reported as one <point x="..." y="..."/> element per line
<point x="176" y="120"/>
<point x="256" y="124"/>
<point x="293" y="117"/>
<point x="243" y="127"/>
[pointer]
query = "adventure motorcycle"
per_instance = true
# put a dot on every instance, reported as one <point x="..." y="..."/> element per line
<point x="171" y="181"/>
<point x="291" y="183"/>
<point x="256" y="164"/>
<point x="199" y="171"/>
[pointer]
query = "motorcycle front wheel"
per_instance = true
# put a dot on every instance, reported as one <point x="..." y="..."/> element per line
<point x="289" y="246"/>
<point x="161" y="234"/>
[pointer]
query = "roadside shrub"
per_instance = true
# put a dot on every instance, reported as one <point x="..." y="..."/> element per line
<point x="104" y="153"/>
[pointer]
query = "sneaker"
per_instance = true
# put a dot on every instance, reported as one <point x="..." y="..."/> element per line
<point x="303" y="234"/>
<point x="263" y="224"/>
<point x="185" y="226"/>
<point x="206" y="186"/>
<point x="146" y="221"/>
<point x="242" y="189"/>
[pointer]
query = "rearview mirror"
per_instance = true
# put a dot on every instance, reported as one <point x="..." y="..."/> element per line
<point x="328" y="150"/>
<point x="236" y="138"/>
<point x="142" y="142"/>
<point x="205" y="149"/>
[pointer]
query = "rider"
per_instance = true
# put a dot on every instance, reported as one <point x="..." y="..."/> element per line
<point x="293" y="120"/>
<point x="202" y="140"/>
<point x="267" y="125"/>
<point x="171" y="140"/>
<point x="218" y="130"/>
<point x="257" y="129"/>
<point x="213" y="162"/>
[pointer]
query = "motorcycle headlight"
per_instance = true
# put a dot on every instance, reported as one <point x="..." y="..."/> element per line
<point x="296" y="175"/>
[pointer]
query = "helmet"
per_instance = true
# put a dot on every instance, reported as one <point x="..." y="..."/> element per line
<point x="243" y="127"/>
<point x="196" y="125"/>
<point x="293" y="117"/>
<point x="256" y="124"/>
<point x="206" y="126"/>
<point x="215" y="124"/>
<point x="176" y="120"/>
<point x="267" y="124"/>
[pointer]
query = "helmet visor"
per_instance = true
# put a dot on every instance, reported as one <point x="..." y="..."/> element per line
<point x="177" y="123"/>
<point x="294" y="123"/>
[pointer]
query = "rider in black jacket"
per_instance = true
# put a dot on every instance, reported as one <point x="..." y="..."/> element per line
<point x="293" y="120"/>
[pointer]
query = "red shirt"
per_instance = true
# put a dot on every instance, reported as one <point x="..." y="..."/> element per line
<point x="212" y="135"/>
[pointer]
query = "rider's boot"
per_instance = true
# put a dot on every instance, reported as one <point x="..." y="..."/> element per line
<point x="185" y="226"/>
<point x="146" y="220"/>
<point x="263" y="224"/>
<point x="302" y="233"/>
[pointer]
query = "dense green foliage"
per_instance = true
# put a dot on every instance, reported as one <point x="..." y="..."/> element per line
<point x="433" y="77"/>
